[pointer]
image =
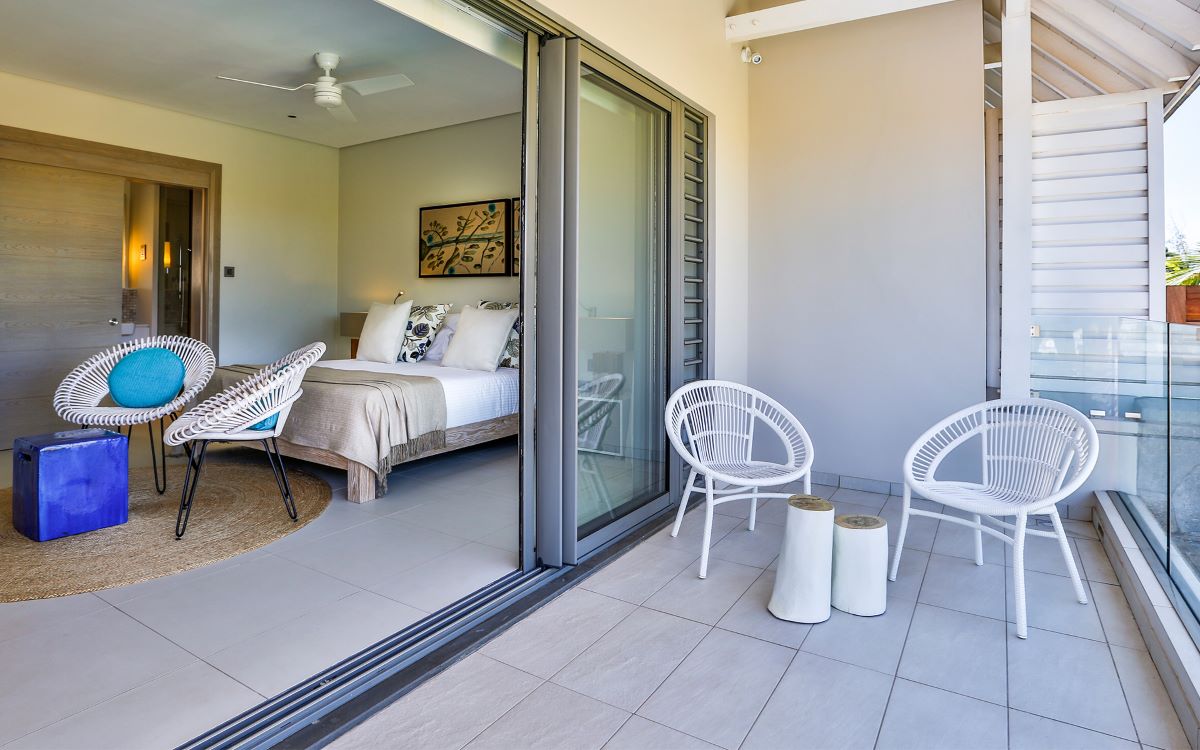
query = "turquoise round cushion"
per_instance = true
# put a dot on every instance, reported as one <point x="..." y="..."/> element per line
<point x="146" y="378"/>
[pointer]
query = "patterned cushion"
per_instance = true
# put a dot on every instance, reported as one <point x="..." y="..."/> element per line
<point x="423" y="323"/>
<point x="512" y="352"/>
<point x="146" y="378"/>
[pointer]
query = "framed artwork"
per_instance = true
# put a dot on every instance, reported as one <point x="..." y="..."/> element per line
<point x="465" y="239"/>
<point x="515" y="243"/>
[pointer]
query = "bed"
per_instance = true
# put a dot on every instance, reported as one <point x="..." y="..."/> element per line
<point x="479" y="407"/>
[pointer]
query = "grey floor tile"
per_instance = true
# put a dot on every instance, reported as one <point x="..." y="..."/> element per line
<point x="921" y="529"/>
<point x="704" y="599"/>
<point x="76" y="663"/>
<point x="958" y="652"/>
<point x="747" y="671"/>
<point x="1029" y="732"/>
<point x="209" y="613"/>
<point x="273" y="661"/>
<point x="1044" y="555"/>
<point x="447" y="712"/>
<point x="772" y="510"/>
<point x="913" y="563"/>
<point x="371" y="553"/>
<point x="1091" y="698"/>
<point x="547" y="640"/>
<point x="641" y="571"/>
<point x="757" y="548"/>
<point x="27" y="618"/>
<point x="553" y="718"/>
<point x="165" y="712"/>
<point x="1120" y="629"/>
<point x="1096" y="565"/>
<point x="871" y="642"/>
<point x="749" y="616"/>
<point x="822" y="703"/>
<point x="630" y="661"/>
<point x="957" y="540"/>
<point x="1050" y="604"/>
<point x="122" y="594"/>
<point x="919" y="716"/>
<point x="1080" y="529"/>
<point x="469" y="516"/>
<point x="956" y="583"/>
<point x="642" y="734"/>
<point x="873" y="500"/>
<point x="1153" y="716"/>
<point x="339" y="515"/>
<point x="446" y="579"/>
<point x="691" y="533"/>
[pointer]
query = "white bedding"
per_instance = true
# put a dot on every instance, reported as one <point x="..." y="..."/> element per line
<point x="471" y="396"/>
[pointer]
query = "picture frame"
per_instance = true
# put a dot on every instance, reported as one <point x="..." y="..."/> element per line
<point x="470" y="239"/>
<point x="514" y="244"/>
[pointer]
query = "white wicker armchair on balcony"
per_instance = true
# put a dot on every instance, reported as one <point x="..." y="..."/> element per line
<point x="711" y="424"/>
<point x="1035" y="453"/>
<point x="79" y="395"/>
<point x="251" y="410"/>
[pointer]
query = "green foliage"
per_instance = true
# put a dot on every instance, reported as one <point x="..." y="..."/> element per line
<point x="1183" y="261"/>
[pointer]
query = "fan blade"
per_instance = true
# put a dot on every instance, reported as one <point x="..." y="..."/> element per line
<point x="266" y="85"/>
<point x="342" y="113"/>
<point x="379" y="84"/>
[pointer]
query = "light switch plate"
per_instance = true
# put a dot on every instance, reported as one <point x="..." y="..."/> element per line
<point x="229" y="272"/>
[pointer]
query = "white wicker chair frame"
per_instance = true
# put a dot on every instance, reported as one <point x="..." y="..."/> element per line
<point x="1035" y="453"/>
<point x="230" y="416"/>
<point x="711" y="424"/>
<point x="595" y="415"/>
<point x="78" y="397"/>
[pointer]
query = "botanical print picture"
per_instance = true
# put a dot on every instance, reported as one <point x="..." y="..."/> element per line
<point x="465" y="239"/>
<point x="516" y="236"/>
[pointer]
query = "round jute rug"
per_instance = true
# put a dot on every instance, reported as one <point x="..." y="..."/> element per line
<point x="237" y="509"/>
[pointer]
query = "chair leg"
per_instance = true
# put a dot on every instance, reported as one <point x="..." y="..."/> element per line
<point x="808" y="484"/>
<point x="903" y="531"/>
<point x="285" y="488"/>
<point x="708" y="519"/>
<point x="687" y="494"/>
<point x="753" y="508"/>
<point x="978" y="540"/>
<point x="1065" y="546"/>
<point x="1019" y="575"/>
<point x="191" y="478"/>
<point x="160" y="483"/>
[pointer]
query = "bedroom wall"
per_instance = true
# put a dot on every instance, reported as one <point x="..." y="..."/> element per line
<point x="382" y="186"/>
<point x="278" y="214"/>
<point x="867" y="230"/>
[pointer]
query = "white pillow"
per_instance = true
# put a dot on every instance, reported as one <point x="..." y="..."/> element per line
<point x="437" y="349"/>
<point x="383" y="332"/>
<point x="479" y="339"/>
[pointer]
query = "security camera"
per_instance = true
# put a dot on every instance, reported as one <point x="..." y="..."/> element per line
<point x="750" y="56"/>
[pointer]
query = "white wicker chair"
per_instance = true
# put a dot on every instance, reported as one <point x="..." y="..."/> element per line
<point x="79" y="395"/>
<point x="598" y="401"/>
<point x="231" y="416"/>
<point x="1035" y="453"/>
<point x="711" y="424"/>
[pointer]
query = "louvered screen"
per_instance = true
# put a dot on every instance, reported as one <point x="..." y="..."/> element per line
<point x="696" y="266"/>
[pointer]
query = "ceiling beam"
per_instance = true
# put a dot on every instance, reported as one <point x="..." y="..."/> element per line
<point x="1173" y="19"/>
<point x="991" y="55"/>
<point x="1060" y="79"/>
<point x="1167" y="63"/>
<point x="1097" y="73"/>
<point x="1067" y="26"/>
<point x="811" y="14"/>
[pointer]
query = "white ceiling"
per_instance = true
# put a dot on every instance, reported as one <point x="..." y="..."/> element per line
<point x="166" y="53"/>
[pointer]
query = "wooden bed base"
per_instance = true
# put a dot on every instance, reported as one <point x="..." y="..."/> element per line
<point x="361" y="480"/>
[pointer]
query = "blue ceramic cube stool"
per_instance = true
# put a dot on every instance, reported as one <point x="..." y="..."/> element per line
<point x="70" y="482"/>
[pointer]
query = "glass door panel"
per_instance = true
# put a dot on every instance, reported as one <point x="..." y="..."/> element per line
<point x="621" y="313"/>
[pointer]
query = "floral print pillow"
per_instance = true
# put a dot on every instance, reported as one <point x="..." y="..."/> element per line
<point x="423" y="323"/>
<point x="512" y="350"/>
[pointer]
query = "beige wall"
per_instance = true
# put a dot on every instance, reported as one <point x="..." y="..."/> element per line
<point x="384" y="183"/>
<point x="279" y="208"/>
<point x="867" y="230"/>
<point x="682" y="43"/>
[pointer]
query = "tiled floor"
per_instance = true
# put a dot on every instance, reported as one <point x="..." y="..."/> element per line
<point x="153" y="664"/>
<point x="644" y="655"/>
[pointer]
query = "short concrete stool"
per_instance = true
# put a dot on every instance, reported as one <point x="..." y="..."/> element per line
<point x="802" y="580"/>
<point x="860" y="554"/>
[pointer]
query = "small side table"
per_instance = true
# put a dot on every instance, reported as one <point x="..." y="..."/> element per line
<point x="860" y="555"/>
<point x="802" y="581"/>
<point x="70" y="482"/>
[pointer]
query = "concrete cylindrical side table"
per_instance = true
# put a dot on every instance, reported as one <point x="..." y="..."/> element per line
<point x="802" y="581"/>
<point x="860" y="554"/>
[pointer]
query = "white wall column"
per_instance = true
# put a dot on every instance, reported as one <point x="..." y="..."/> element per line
<point x="1017" y="213"/>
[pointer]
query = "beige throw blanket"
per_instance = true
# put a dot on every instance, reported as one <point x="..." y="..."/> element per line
<point x="377" y="419"/>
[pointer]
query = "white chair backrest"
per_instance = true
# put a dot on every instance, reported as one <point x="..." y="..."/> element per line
<point x="712" y="421"/>
<point x="1032" y="447"/>
<point x="87" y="384"/>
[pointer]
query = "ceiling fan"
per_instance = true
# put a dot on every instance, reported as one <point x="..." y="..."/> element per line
<point x="327" y="92"/>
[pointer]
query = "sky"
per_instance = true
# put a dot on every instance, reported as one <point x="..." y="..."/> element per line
<point x="1181" y="141"/>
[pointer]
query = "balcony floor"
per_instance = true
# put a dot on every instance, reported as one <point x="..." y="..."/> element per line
<point x="643" y="654"/>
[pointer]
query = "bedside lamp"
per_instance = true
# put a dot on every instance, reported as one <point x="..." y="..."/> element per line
<point x="350" y="325"/>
